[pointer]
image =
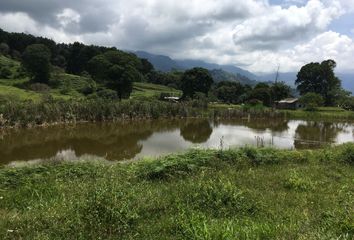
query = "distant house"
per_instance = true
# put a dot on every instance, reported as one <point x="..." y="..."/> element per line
<point x="171" y="99"/>
<point x="289" y="103"/>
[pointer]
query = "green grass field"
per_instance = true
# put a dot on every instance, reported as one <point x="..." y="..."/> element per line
<point x="149" y="90"/>
<point x="203" y="194"/>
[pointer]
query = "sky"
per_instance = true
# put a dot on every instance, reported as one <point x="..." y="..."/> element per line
<point x="257" y="35"/>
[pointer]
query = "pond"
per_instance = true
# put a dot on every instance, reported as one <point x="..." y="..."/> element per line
<point x="134" y="140"/>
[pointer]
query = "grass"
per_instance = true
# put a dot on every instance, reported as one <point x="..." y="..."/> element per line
<point x="321" y="113"/>
<point x="203" y="194"/>
<point x="18" y="94"/>
<point x="224" y="106"/>
<point x="149" y="90"/>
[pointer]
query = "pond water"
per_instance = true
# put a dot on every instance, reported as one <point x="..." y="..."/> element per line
<point x="134" y="140"/>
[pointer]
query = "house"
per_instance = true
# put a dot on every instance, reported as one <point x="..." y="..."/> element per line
<point x="289" y="103"/>
<point x="172" y="99"/>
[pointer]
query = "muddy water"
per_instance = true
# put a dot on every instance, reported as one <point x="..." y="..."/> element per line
<point x="133" y="140"/>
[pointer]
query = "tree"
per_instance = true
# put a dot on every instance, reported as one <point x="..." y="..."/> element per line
<point x="198" y="131"/>
<point x="312" y="101"/>
<point x="261" y="94"/>
<point x="319" y="78"/>
<point x="196" y="80"/>
<point x="146" y="67"/>
<point x="230" y="92"/>
<point x="279" y="91"/>
<point x="36" y="61"/>
<point x="4" y="49"/>
<point x="98" y="68"/>
<point x="121" y="80"/>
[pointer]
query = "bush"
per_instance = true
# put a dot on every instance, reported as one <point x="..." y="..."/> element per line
<point x="296" y="182"/>
<point x="347" y="154"/>
<point x="39" y="87"/>
<point x="107" y="94"/>
<point x="312" y="101"/>
<point x="348" y="104"/>
<point x="5" y="73"/>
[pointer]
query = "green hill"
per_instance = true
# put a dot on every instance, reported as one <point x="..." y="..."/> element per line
<point x="16" y="86"/>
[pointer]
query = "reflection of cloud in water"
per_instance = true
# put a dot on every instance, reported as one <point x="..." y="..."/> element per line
<point x="114" y="141"/>
<point x="68" y="155"/>
<point x="163" y="143"/>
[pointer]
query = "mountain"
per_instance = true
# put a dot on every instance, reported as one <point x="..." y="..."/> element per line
<point x="160" y="62"/>
<point x="290" y="77"/>
<point x="187" y="64"/>
<point x="287" y="77"/>
<point x="165" y="64"/>
<point x="230" y="72"/>
<point x="221" y="75"/>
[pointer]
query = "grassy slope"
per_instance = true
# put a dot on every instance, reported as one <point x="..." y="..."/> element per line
<point x="148" y="90"/>
<point x="204" y="194"/>
<point x="8" y="86"/>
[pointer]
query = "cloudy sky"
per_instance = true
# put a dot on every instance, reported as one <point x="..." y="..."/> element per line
<point x="253" y="34"/>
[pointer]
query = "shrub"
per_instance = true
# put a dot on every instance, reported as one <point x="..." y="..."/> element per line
<point x="5" y="73"/>
<point x="348" y="104"/>
<point x="347" y="154"/>
<point x="39" y="87"/>
<point x="296" y="182"/>
<point x="254" y="102"/>
<point x="107" y="94"/>
<point x="312" y="101"/>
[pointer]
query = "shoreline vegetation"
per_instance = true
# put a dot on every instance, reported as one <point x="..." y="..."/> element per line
<point x="51" y="111"/>
<point x="245" y="193"/>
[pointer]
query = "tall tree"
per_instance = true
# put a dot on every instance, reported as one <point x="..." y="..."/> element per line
<point x="196" y="80"/>
<point x="121" y="80"/>
<point x="279" y="91"/>
<point x="319" y="78"/>
<point x="36" y="61"/>
<point x="230" y="92"/>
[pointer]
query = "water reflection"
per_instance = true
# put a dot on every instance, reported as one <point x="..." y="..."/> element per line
<point x="118" y="141"/>
<point x="316" y="134"/>
<point x="196" y="130"/>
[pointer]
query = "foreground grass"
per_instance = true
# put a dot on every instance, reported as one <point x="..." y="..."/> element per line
<point x="203" y="194"/>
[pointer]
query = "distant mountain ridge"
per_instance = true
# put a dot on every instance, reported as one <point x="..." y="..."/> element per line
<point x="290" y="77"/>
<point x="230" y="72"/>
<point x="165" y="64"/>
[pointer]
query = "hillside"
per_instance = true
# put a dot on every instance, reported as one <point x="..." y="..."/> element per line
<point x="62" y="85"/>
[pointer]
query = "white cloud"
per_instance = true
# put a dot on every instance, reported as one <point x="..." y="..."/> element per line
<point x="327" y="45"/>
<point x="252" y="34"/>
<point x="21" y="22"/>
<point x="281" y="25"/>
<point x="68" y="16"/>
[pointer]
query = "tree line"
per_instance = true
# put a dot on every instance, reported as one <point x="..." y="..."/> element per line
<point x="117" y="70"/>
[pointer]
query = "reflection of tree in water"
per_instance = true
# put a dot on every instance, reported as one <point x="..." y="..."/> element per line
<point x="196" y="131"/>
<point x="315" y="134"/>
<point x="275" y="125"/>
<point x="112" y="141"/>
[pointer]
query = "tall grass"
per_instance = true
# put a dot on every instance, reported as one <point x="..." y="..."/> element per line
<point x="204" y="194"/>
<point x="48" y="111"/>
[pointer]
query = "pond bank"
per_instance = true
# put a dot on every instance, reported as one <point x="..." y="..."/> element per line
<point x="202" y="194"/>
<point x="54" y="112"/>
